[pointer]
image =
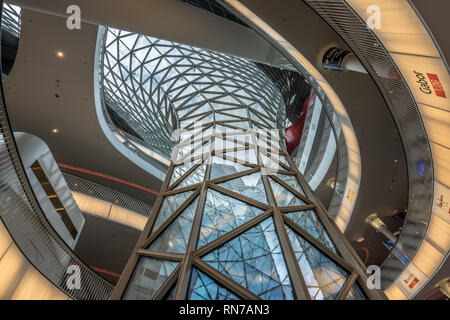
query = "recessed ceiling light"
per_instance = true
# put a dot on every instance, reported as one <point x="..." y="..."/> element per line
<point x="55" y="131"/>
<point x="360" y="239"/>
<point x="60" y="54"/>
<point x="331" y="182"/>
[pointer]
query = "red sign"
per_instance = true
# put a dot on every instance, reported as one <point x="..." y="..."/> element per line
<point x="413" y="283"/>
<point x="437" y="85"/>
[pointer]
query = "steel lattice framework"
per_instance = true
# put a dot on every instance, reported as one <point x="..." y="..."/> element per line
<point x="235" y="218"/>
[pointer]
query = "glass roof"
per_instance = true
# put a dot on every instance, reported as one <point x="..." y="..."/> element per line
<point x="158" y="86"/>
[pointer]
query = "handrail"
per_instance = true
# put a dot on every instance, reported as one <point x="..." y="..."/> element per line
<point x="25" y="221"/>
<point x="138" y="152"/>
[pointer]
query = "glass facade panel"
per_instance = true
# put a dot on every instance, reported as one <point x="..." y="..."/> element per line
<point x="356" y="293"/>
<point x="241" y="138"/>
<point x="169" y="205"/>
<point x="284" y="197"/>
<point x="170" y="294"/>
<point x="223" y="214"/>
<point x="160" y="88"/>
<point x="203" y="149"/>
<point x="248" y="155"/>
<point x="203" y="287"/>
<point x="178" y="171"/>
<point x="254" y="260"/>
<point x="176" y="236"/>
<point x="222" y="167"/>
<point x="283" y="160"/>
<point x="187" y="149"/>
<point x="240" y="112"/>
<point x="221" y="144"/>
<point x="11" y="19"/>
<point x="323" y="277"/>
<point x="291" y="180"/>
<point x="309" y="221"/>
<point x="250" y="186"/>
<point x="194" y="177"/>
<point x="148" y="277"/>
<point x="268" y="162"/>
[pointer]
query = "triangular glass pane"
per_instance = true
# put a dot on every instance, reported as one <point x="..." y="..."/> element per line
<point x="223" y="117"/>
<point x="262" y="143"/>
<point x="291" y="180"/>
<point x="223" y="214"/>
<point x="222" y="167"/>
<point x="255" y="261"/>
<point x="240" y="112"/>
<point x="183" y="112"/>
<point x="176" y="236"/>
<point x="194" y="177"/>
<point x="218" y="128"/>
<point x="207" y="132"/>
<point x="240" y="124"/>
<point x="202" y="109"/>
<point x="323" y="277"/>
<point x="228" y="99"/>
<point x="248" y="155"/>
<point x="356" y="293"/>
<point x="283" y="159"/>
<point x="222" y="144"/>
<point x="202" y="287"/>
<point x="284" y="197"/>
<point x="189" y="135"/>
<point x="207" y="118"/>
<point x="178" y="171"/>
<point x="309" y="221"/>
<point x="250" y="186"/>
<point x="169" y="205"/>
<point x="148" y="277"/>
<point x="206" y="147"/>
<point x="184" y="124"/>
<point x="187" y="149"/>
